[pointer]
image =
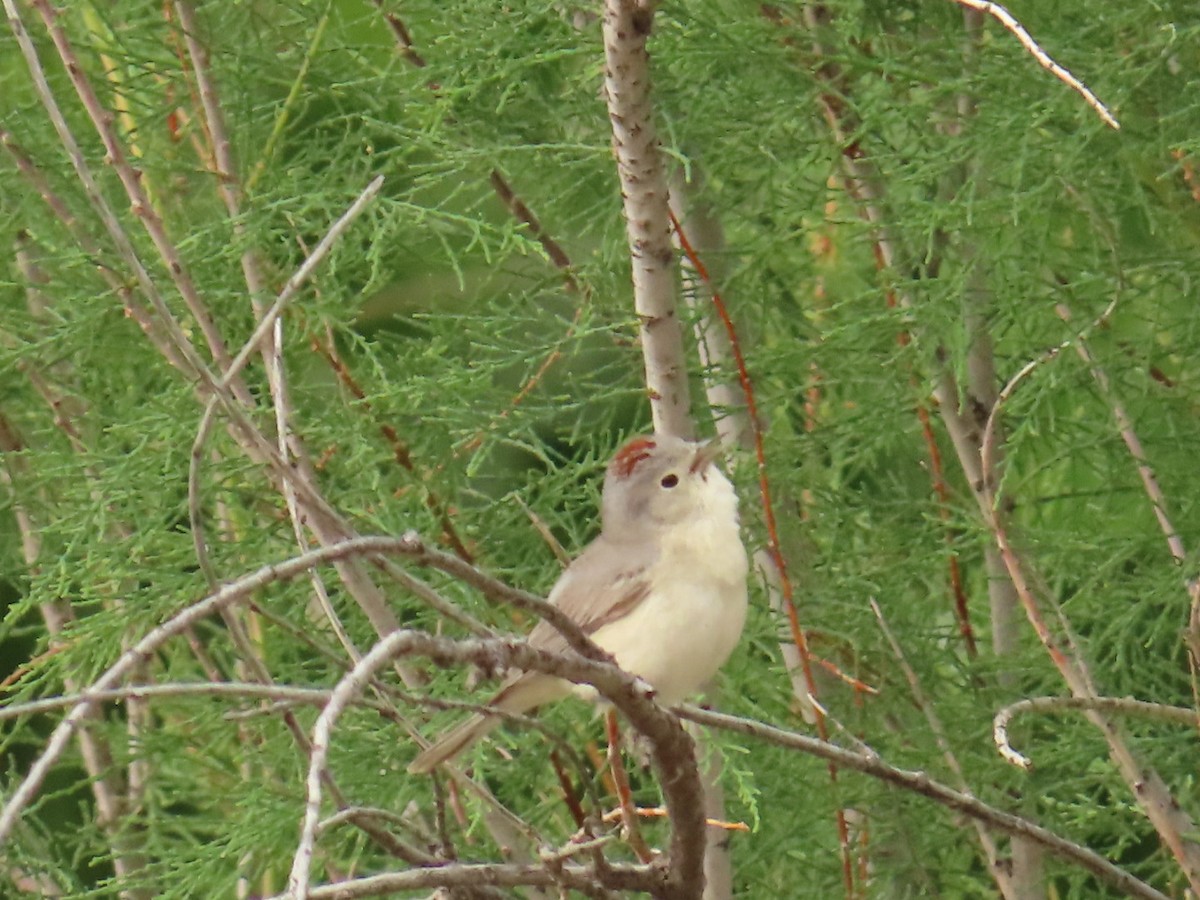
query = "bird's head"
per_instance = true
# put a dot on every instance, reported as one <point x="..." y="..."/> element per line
<point x="659" y="480"/>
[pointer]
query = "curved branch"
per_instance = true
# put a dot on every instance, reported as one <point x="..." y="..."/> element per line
<point x="140" y="652"/>
<point x="672" y="748"/>
<point x="920" y="783"/>
<point x="1017" y="30"/>
<point x="629" y="878"/>
<point x="676" y="764"/>
<point x="1127" y="706"/>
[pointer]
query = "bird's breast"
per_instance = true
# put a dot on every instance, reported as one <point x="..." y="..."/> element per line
<point x="692" y="617"/>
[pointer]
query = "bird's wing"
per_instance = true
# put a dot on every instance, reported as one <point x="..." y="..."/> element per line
<point x="605" y="582"/>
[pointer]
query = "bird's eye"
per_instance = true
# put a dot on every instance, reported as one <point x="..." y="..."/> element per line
<point x="669" y="480"/>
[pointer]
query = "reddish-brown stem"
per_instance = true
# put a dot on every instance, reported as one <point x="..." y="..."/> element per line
<point x="937" y="477"/>
<point x="764" y="485"/>
<point x="400" y="32"/>
<point x="774" y="549"/>
<point x="522" y="213"/>
<point x="633" y="833"/>
<point x="570" y="796"/>
<point x="859" y="686"/>
<point x="400" y="450"/>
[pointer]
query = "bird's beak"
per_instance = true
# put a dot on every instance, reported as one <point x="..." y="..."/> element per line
<point x="706" y="455"/>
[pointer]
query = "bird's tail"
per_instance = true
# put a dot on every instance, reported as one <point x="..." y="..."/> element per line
<point x="518" y="696"/>
<point x="453" y="742"/>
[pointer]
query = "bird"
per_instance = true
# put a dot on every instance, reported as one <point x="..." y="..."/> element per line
<point x="662" y="588"/>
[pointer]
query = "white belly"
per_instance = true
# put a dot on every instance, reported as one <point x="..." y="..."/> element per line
<point x="678" y="638"/>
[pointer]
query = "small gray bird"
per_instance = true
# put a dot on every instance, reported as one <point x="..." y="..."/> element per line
<point x="663" y="587"/>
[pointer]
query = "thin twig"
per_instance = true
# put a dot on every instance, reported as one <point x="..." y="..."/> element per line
<point x="1172" y="823"/>
<point x="774" y="568"/>
<point x="1125" y="706"/>
<point x="672" y="749"/>
<point x="1017" y="30"/>
<point x="576" y="847"/>
<point x="466" y="875"/>
<point x="774" y="547"/>
<point x="269" y="342"/>
<point x="275" y="692"/>
<point x="922" y="784"/>
<point x="176" y="345"/>
<point x="628" y="810"/>
<point x="939" y="732"/>
<point x="300" y="276"/>
<point x="328" y="526"/>
<point x="230" y="374"/>
<point x="402" y="35"/>
<point x="1154" y="492"/>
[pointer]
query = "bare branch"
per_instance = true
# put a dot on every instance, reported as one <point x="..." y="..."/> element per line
<point x="1017" y="30"/>
<point x="1126" y="706"/>
<point x="920" y="783"/>
<point x="278" y="693"/>
<point x="673" y="749"/>
<point x="140" y="652"/>
<point x="631" y="878"/>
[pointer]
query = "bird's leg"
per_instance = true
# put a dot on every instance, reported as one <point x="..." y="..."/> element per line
<point x="624" y="795"/>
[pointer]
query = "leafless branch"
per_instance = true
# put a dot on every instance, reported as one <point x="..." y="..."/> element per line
<point x="1125" y="706"/>
<point x="462" y="875"/>
<point x="673" y="750"/>
<point x="274" y="692"/>
<point x="986" y="840"/>
<point x="1017" y="30"/>
<point x="920" y="783"/>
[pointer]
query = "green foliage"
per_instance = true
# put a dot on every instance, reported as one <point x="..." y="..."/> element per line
<point x="442" y="306"/>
